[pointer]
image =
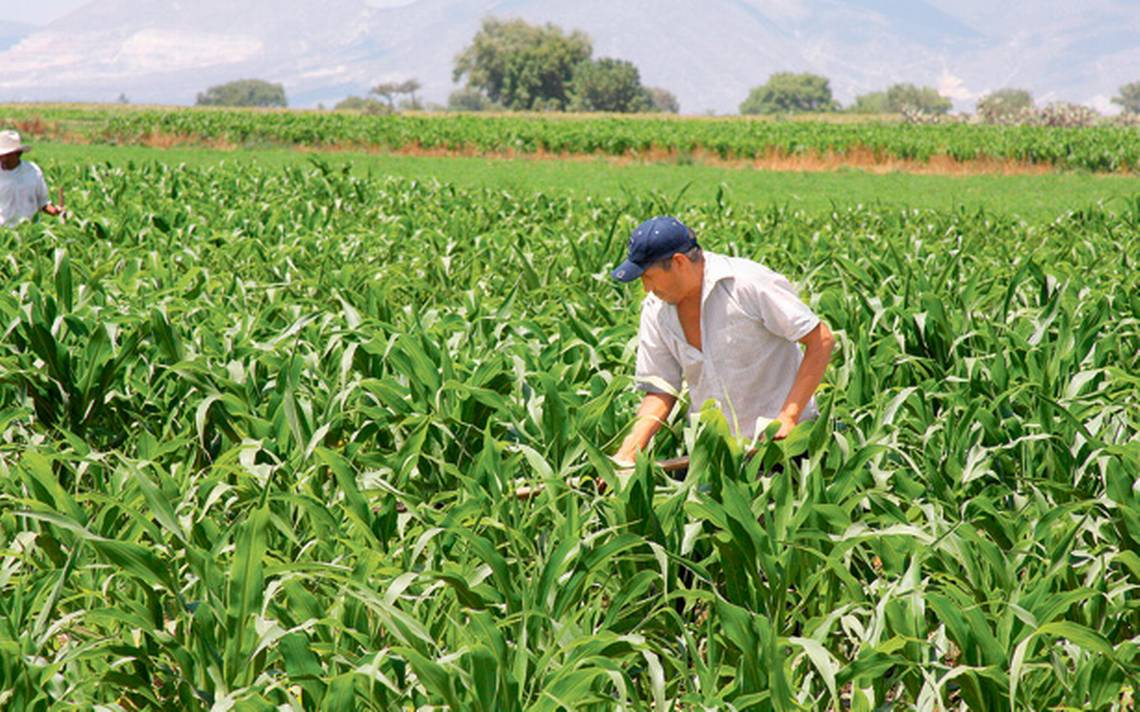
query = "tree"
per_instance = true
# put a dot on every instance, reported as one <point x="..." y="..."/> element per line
<point x="1129" y="99"/>
<point x="789" y="93"/>
<point x="871" y="103"/>
<point x="361" y="104"/>
<point x="410" y="87"/>
<point x="244" y="92"/>
<point x="391" y="90"/>
<point x="388" y="91"/>
<point x="465" y="99"/>
<point x="522" y="66"/>
<point x="1004" y="102"/>
<point x="663" y="100"/>
<point x="608" y="85"/>
<point x="924" y="99"/>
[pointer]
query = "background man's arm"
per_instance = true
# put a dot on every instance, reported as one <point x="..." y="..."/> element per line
<point x="44" y="199"/>
<point x="654" y="411"/>
<point x="819" y="342"/>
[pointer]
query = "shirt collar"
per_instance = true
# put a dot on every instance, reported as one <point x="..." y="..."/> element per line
<point x="717" y="268"/>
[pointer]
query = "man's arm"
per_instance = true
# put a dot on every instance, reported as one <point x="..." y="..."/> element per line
<point x="654" y="411"/>
<point x="44" y="198"/>
<point x="819" y="342"/>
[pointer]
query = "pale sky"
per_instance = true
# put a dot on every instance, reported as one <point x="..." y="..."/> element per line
<point x="38" y="13"/>
<point x="44" y="11"/>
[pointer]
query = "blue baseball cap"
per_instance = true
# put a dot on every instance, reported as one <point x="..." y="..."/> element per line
<point x="654" y="240"/>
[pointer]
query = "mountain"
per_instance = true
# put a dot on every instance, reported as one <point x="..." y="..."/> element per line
<point x="708" y="53"/>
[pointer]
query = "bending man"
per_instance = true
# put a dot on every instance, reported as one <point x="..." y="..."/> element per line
<point x="726" y="326"/>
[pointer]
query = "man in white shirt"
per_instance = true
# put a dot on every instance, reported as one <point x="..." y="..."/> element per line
<point x="23" y="192"/>
<point x="726" y="326"/>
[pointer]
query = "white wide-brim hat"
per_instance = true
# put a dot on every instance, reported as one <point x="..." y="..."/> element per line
<point x="10" y="143"/>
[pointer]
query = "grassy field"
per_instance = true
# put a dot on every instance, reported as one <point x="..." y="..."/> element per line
<point x="1034" y="198"/>
<point x="263" y="421"/>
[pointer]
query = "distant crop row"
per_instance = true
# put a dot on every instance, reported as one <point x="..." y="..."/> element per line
<point x="261" y="430"/>
<point x="1112" y="149"/>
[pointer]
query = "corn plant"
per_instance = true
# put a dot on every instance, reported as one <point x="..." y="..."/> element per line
<point x="261" y="433"/>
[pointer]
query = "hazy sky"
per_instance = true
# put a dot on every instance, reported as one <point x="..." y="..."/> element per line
<point x="44" y="11"/>
<point x="38" y="13"/>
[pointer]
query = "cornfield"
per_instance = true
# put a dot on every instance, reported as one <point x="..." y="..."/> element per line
<point x="261" y="433"/>
<point x="1057" y="141"/>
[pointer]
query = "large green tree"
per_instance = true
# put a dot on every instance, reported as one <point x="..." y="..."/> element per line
<point x="609" y="85"/>
<point x="790" y="93"/>
<point x="1129" y="98"/>
<point x="244" y="92"/>
<point x="909" y="96"/>
<point x="899" y="97"/>
<point x="522" y="66"/>
<point x="874" y="102"/>
<point x="1004" y="102"/>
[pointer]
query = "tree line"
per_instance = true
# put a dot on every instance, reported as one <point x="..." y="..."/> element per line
<point x="512" y="65"/>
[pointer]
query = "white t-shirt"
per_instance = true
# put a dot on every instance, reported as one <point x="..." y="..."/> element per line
<point x="23" y="193"/>
<point x="751" y="319"/>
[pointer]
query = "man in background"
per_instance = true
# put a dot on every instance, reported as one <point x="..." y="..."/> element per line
<point x="23" y="192"/>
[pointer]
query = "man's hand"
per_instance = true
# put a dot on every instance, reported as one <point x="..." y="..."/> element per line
<point x="654" y="411"/>
<point x="818" y="346"/>
<point x="622" y="463"/>
<point x="786" y="427"/>
<point x="53" y="209"/>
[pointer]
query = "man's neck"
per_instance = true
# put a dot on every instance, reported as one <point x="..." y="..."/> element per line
<point x="693" y="297"/>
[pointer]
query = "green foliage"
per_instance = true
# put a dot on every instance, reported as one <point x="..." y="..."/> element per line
<point x="663" y="100"/>
<point x="789" y="93"/>
<point x="606" y="84"/>
<point x="1056" y="136"/>
<point x="244" y="92"/>
<point x="261" y="432"/>
<point x="470" y="100"/>
<point x="902" y="97"/>
<point x="390" y="90"/>
<point x="364" y="105"/>
<point x="872" y="103"/>
<point x="1004" y="103"/>
<point x="522" y="66"/>
<point x="1129" y="98"/>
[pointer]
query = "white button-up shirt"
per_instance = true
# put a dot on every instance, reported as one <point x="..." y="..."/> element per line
<point x="751" y="319"/>
<point x="23" y="193"/>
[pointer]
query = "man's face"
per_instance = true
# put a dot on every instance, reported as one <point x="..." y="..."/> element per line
<point x="664" y="284"/>
<point x="10" y="160"/>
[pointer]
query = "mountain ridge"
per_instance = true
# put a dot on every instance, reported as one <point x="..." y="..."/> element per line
<point x="708" y="54"/>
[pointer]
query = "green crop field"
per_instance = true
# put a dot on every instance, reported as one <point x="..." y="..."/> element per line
<point x="1035" y="198"/>
<point x="1102" y="148"/>
<point x="262" y="425"/>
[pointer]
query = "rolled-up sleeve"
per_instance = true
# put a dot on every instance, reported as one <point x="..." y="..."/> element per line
<point x="658" y="370"/>
<point x="776" y="304"/>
